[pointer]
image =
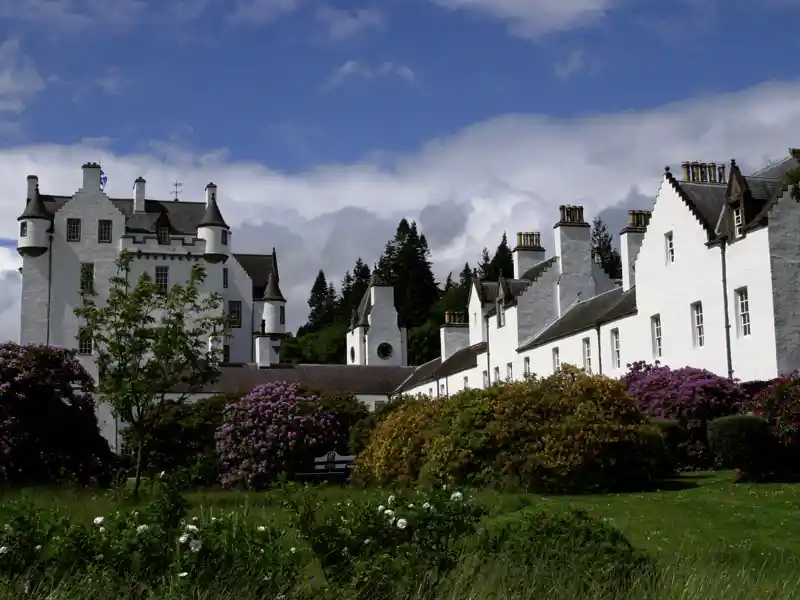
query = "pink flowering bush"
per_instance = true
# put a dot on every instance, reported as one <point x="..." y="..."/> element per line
<point x="273" y="430"/>
<point x="691" y="396"/>
<point x="48" y="427"/>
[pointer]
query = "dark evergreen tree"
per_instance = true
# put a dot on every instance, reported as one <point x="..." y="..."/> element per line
<point x="602" y="247"/>
<point x="465" y="277"/>
<point x="449" y="283"/>
<point x="321" y="301"/>
<point x="502" y="261"/>
<point x="485" y="266"/>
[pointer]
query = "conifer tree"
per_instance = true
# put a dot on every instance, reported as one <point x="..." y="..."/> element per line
<point x="602" y="246"/>
<point x="503" y="260"/>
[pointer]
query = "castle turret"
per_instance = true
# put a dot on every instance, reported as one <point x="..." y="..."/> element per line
<point x="34" y="225"/>
<point x="274" y="307"/>
<point x="214" y="230"/>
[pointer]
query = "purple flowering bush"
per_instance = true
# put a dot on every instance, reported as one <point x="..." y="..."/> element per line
<point x="691" y="396"/>
<point x="48" y="426"/>
<point x="275" y="429"/>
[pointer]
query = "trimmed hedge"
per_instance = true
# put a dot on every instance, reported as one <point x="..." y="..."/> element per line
<point x="746" y="443"/>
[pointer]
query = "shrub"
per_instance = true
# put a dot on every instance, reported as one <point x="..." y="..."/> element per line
<point x="571" y="432"/>
<point x="362" y="430"/>
<point x="779" y="404"/>
<point x="349" y="411"/>
<point x="180" y="439"/>
<point x="48" y="426"/>
<point x="745" y="443"/>
<point x="389" y="550"/>
<point x="693" y="397"/>
<point x="674" y="440"/>
<point x="273" y="431"/>
<point x="559" y="545"/>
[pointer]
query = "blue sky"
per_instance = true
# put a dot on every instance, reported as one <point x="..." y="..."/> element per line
<point x="324" y="121"/>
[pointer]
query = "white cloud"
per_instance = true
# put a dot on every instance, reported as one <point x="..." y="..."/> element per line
<point x="344" y="24"/>
<point x="534" y="18"/>
<point x="259" y="12"/>
<point x="112" y="81"/>
<point x="20" y="81"/>
<point x="506" y="173"/>
<point x="573" y="63"/>
<point x="361" y="70"/>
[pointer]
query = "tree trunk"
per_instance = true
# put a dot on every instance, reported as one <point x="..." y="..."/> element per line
<point x="138" y="481"/>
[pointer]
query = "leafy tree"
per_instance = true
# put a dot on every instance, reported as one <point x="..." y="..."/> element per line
<point x="149" y="342"/>
<point x="424" y="343"/>
<point x="603" y="247"/>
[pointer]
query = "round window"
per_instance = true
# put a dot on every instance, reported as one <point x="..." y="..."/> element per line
<point x="384" y="350"/>
<point x="352" y="354"/>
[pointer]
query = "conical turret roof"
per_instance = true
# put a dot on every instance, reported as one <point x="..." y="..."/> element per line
<point x="35" y="208"/>
<point x="273" y="291"/>
<point x="213" y="217"/>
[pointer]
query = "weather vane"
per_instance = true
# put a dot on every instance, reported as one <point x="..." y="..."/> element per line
<point x="176" y="189"/>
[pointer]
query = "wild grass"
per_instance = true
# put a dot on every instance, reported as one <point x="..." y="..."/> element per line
<point x="712" y="539"/>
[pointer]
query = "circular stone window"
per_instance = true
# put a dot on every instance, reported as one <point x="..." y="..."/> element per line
<point x="352" y="354"/>
<point x="384" y="350"/>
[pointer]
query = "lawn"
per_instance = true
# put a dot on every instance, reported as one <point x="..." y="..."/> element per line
<point x="714" y="538"/>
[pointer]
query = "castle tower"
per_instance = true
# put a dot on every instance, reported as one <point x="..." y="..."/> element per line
<point x="214" y="230"/>
<point x="34" y="225"/>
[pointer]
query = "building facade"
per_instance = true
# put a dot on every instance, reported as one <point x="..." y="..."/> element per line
<point x="710" y="277"/>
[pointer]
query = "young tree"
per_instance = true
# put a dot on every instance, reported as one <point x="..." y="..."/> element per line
<point x="503" y="260"/>
<point x="602" y="246"/>
<point x="148" y="342"/>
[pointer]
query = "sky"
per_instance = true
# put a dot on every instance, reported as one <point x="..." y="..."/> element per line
<point x="323" y="122"/>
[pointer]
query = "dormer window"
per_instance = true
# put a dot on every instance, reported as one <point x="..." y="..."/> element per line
<point x="162" y="234"/>
<point x="738" y="221"/>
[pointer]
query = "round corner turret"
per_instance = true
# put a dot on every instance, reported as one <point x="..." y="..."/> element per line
<point x="35" y="223"/>
<point x="214" y="230"/>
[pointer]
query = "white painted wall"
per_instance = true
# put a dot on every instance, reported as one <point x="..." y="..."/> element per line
<point x="383" y="328"/>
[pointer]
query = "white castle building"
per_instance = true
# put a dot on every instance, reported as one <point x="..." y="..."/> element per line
<point x="710" y="279"/>
<point x="71" y="241"/>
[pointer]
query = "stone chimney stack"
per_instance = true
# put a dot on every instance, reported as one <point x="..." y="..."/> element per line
<point x="454" y="334"/>
<point x="91" y="177"/>
<point x="33" y="182"/>
<point x="721" y="174"/>
<point x="703" y="172"/>
<point x="139" y="194"/>
<point x="712" y="172"/>
<point x="686" y="174"/>
<point x="630" y="241"/>
<point x="573" y="242"/>
<point x="695" y="171"/>
<point x="528" y="252"/>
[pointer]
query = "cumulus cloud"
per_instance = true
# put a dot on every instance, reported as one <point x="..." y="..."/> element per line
<point x="506" y="174"/>
<point x="573" y="63"/>
<point x="19" y="78"/>
<point x="358" y="69"/>
<point x="343" y="24"/>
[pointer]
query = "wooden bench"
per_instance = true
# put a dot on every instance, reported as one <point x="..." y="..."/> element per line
<point x="330" y="467"/>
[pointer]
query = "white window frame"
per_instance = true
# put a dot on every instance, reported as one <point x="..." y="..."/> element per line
<point x="443" y="389"/>
<point x="497" y="374"/>
<point x="466" y="382"/>
<point x="669" y="247"/>
<point x="162" y="278"/>
<point x="23" y="229"/>
<point x="586" y="344"/>
<point x="235" y="313"/>
<point x="162" y="235"/>
<point x="85" y="343"/>
<point x="105" y="231"/>
<point x="698" y="325"/>
<point x="510" y="371"/>
<point x="526" y="366"/>
<point x="616" y="355"/>
<point x="656" y="331"/>
<point x="486" y="381"/>
<point x="225" y="277"/>
<point x="73" y="230"/>
<point x="743" y="320"/>
<point x="556" y="359"/>
<point x="501" y="316"/>
<point x="738" y="221"/>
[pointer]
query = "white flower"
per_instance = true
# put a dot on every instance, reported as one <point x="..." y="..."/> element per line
<point x="192" y="528"/>
<point x="410" y="506"/>
<point x="293" y="550"/>
<point x="161" y="475"/>
<point x="444" y="487"/>
<point x="3" y="549"/>
<point x="391" y="499"/>
<point x="102" y="530"/>
<point x="184" y="574"/>
<point x="195" y="545"/>
<point x="183" y="539"/>
<point x="367" y="541"/>
<point x="457" y="496"/>
<point x="37" y="548"/>
<point x="426" y="506"/>
<point x="389" y="513"/>
<point x="381" y="508"/>
<point x="135" y="513"/>
<point x="261" y="528"/>
<point x="402" y="523"/>
<point x="194" y="519"/>
<point x="142" y="528"/>
<point x="99" y="520"/>
<point x="213" y="519"/>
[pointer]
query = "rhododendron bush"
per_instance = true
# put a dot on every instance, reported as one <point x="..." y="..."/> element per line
<point x="48" y="426"/>
<point x="273" y="430"/>
<point x="691" y="396"/>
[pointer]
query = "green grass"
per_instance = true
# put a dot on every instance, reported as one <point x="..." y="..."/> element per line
<point x="714" y="540"/>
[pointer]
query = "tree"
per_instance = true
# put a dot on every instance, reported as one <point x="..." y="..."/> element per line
<point x="148" y="343"/>
<point x="602" y="246"/>
<point x="502" y="261"/>
<point x="485" y="266"/>
<point x="321" y="303"/>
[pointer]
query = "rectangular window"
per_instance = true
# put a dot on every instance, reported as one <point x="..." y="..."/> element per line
<point x="104" y="230"/>
<point x="226" y="353"/>
<point x="743" y="311"/>
<point x="283" y="315"/>
<point x="698" y="329"/>
<point x="556" y="360"/>
<point x="442" y="390"/>
<point x="85" y="345"/>
<point x="616" y="356"/>
<point x="87" y="278"/>
<point x="162" y="234"/>
<point x="73" y="230"/>
<point x="23" y="229"/>
<point x="501" y="316"/>
<point x="509" y="371"/>
<point x="669" y="244"/>
<point x="587" y="355"/>
<point x="486" y="379"/>
<point x="496" y="374"/>
<point x="225" y="277"/>
<point x="738" y="221"/>
<point x="224" y="237"/>
<point x="235" y="313"/>
<point x="162" y="279"/>
<point x="526" y="366"/>
<point x="430" y="392"/>
<point x="655" y="329"/>
<point x="466" y="382"/>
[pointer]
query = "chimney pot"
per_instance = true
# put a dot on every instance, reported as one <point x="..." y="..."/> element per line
<point x="33" y="183"/>
<point x="685" y="166"/>
<point x="721" y="174"/>
<point x="704" y="172"/>
<point x="712" y="172"/>
<point x="694" y="169"/>
<point x="537" y="239"/>
<point x="563" y="210"/>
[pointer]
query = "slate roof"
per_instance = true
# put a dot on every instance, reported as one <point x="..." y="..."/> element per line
<point x="35" y="209"/>
<point x="361" y="314"/>
<point x="258" y="267"/>
<point x="272" y="291"/>
<point x="585" y="315"/>
<point x="353" y="379"/>
<point x="461" y="360"/>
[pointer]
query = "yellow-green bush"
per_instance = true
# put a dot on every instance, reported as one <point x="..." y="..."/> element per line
<point x="570" y="432"/>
